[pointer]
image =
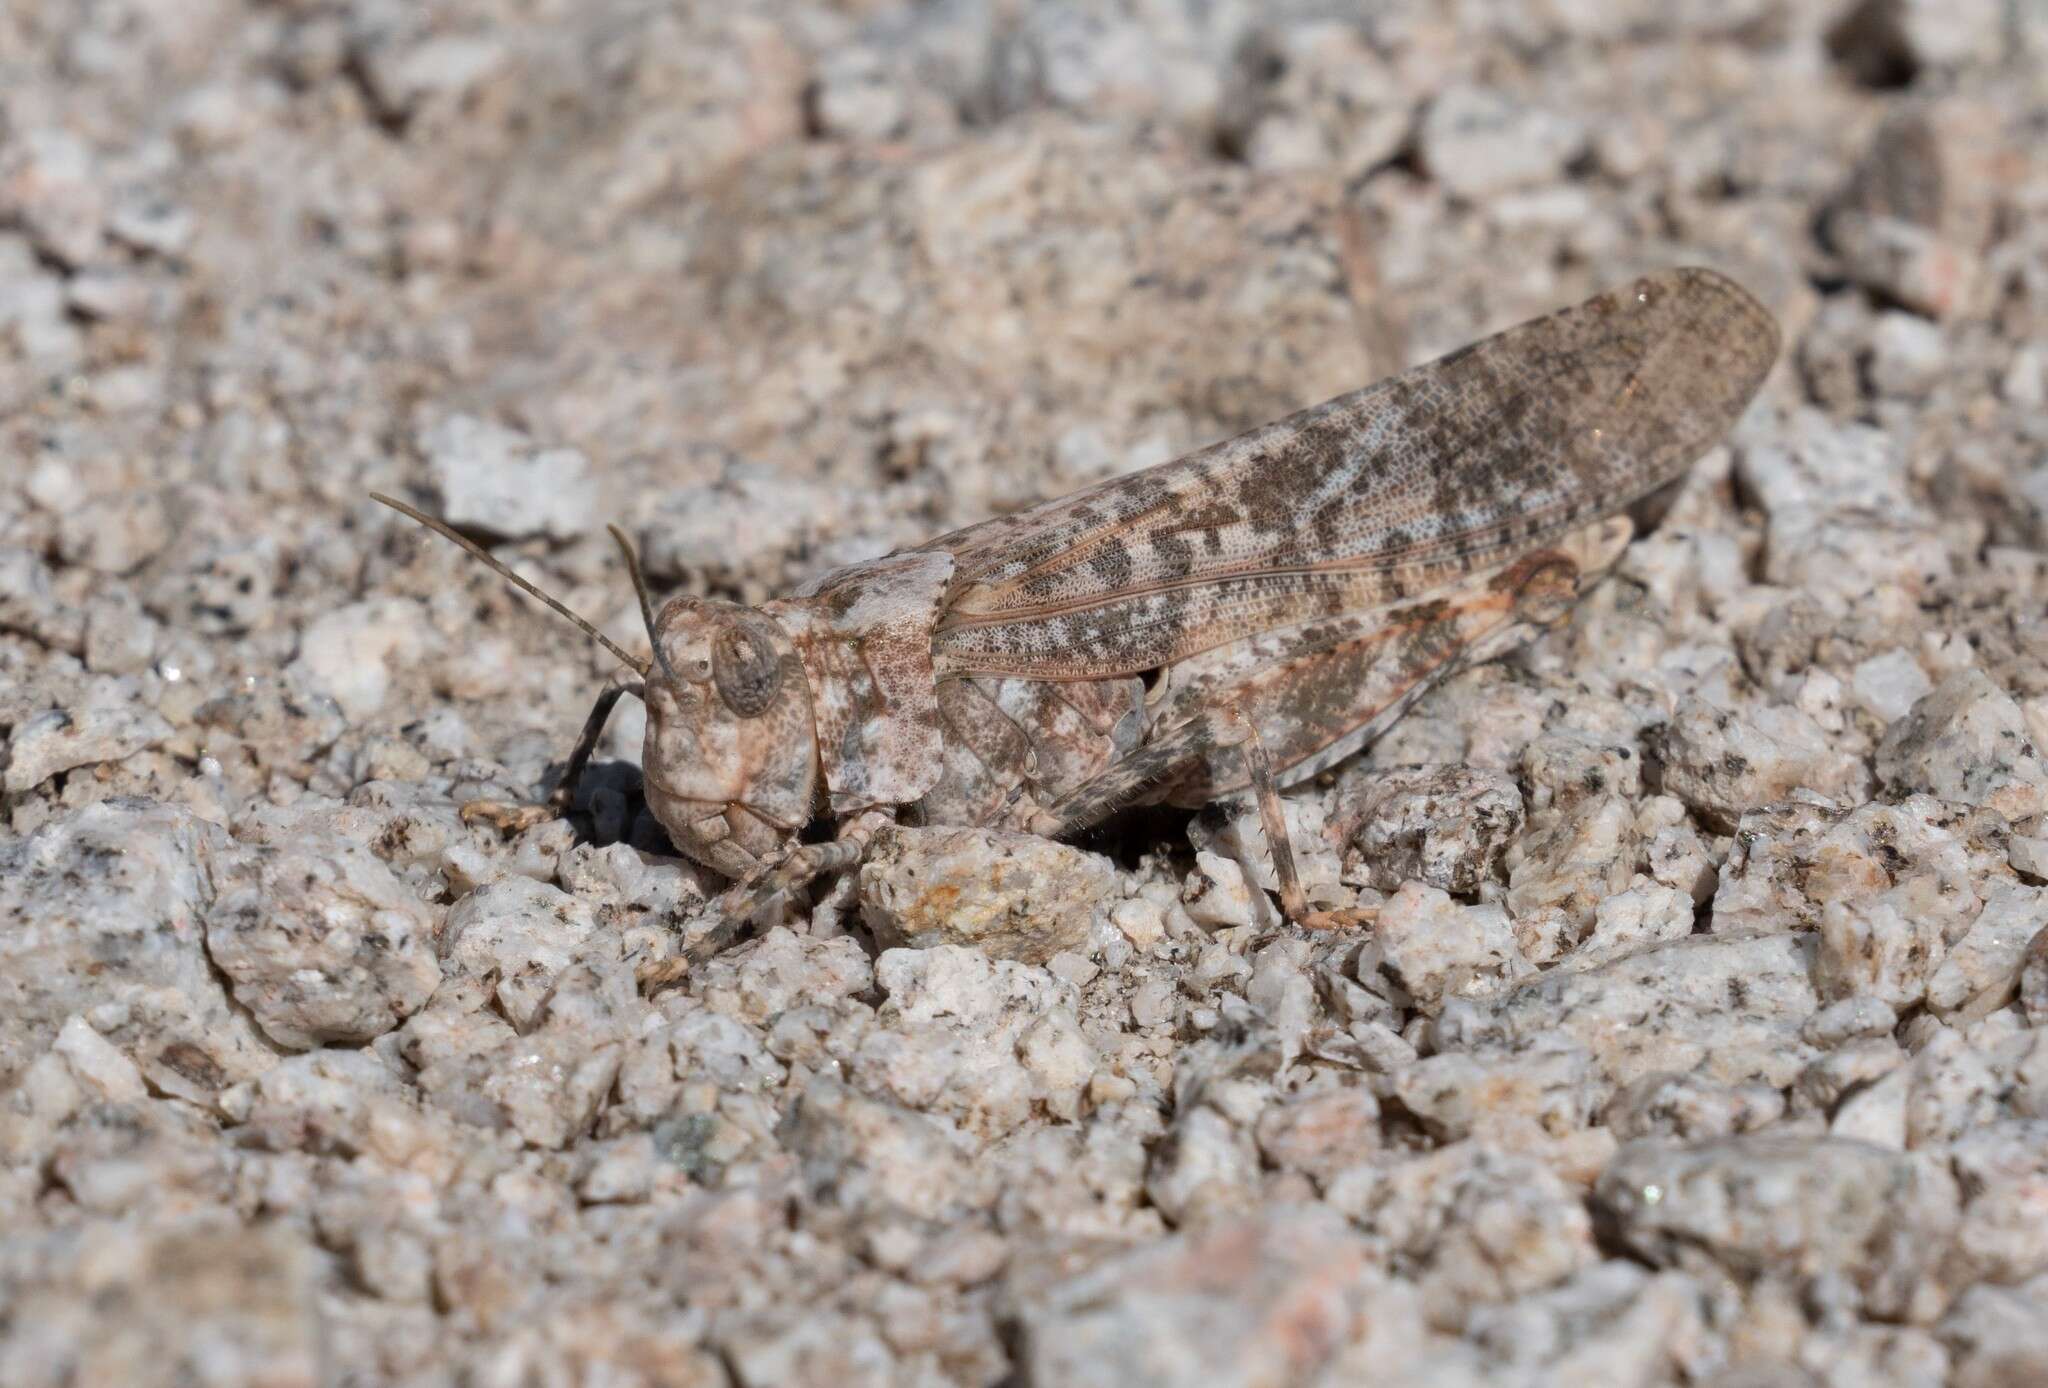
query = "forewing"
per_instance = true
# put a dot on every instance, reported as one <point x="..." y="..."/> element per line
<point x="1372" y="498"/>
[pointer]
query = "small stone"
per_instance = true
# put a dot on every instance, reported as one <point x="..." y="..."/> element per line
<point x="1907" y="356"/>
<point x="1723" y="762"/>
<point x="1997" y="1336"/>
<point x="107" y="725"/>
<point x="29" y="604"/>
<point x="1687" y="1108"/>
<point x="1206" y="1167"/>
<point x="1143" y="922"/>
<point x="1967" y="741"/>
<point x="1875" y="1114"/>
<point x="980" y="1041"/>
<point x="1953" y="1088"/>
<point x="1477" y="1224"/>
<point x="1888" y="685"/>
<point x="2034" y="980"/>
<point x="1446" y="827"/>
<point x="1572" y="858"/>
<point x="152" y="226"/>
<point x="116" y="534"/>
<point x="120" y="638"/>
<point x="875" y="1159"/>
<point x="782" y="970"/>
<point x="198" y="1297"/>
<point x="1216" y="895"/>
<point x="101" y="1070"/>
<point x="1675" y="854"/>
<point x="222" y="589"/>
<point x="1847" y="1069"/>
<point x="1320" y="1132"/>
<point x="1886" y="948"/>
<point x="522" y="935"/>
<point x="1810" y="1209"/>
<point x="322" y="943"/>
<point x="1314" y="94"/>
<point x="2003" y="1169"/>
<point x="2025" y="382"/>
<point x="1789" y="861"/>
<point x="282" y="722"/>
<point x="1913" y="221"/>
<point x="1850" y="1019"/>
<point x="1505" y="1096"/>
<point x="855" y="96"/>
<point x="777" y="1346"/>
<point x="102" y="915"/>
<point x="1060" y="1060"/>
<point x="50" y="188"/>
<point x="402" y="77"/>
<point x="1728" y="1007"/>
<point x="495" y="480"/>
<point x="625" y="1172"/>
<point x="1265" y="1298"/>
<point x="109" y="296"/>
<point x="1097" y="61"/>
<point x="737" y="528"/>
<point x="1641" y="915"/>
<point x="1477" y="142"/>
<point x="1152" y="1003"/>
<point x="1565" y="768"/>
<point x="1982" y="971"/>
<point x="1606" y="1322"/>
<point x="1438" y="949"/>
<point x="347" y="654"/>
<point x="1014" y="896"/>
<point x="550" y="1084"/>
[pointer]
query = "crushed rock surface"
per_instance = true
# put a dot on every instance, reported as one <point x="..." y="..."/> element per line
<point x="1702" y="1034"/>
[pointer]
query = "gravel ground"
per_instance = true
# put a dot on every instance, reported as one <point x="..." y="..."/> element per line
<point x="1702" y="1037"/>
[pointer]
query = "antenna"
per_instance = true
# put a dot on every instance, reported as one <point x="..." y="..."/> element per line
<point x="646" y="601"/>
<point x="478" y="552"/>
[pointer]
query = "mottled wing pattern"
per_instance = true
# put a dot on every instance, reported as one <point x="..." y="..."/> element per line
<point x="1376" y="497"/>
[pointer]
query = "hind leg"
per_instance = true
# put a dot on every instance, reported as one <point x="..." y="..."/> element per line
<point x="1165" y="759"/>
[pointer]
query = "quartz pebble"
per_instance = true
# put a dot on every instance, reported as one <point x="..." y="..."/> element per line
<point x="1792" y="1209"/>
<point x="1446" y="827"/>
<point x="320" y="946"/>
<point x="1966" y="740"/>
<point x="108" y="724"/>
<point x="1438" y="950"/>
<point x="496" y="480"/>
<point x="1262" y="1299"/>
<point x="1016" y="896"/>
<point x="1477" y="141"/>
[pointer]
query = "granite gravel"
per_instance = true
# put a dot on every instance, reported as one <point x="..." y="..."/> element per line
<point x="1699" y="1035"/>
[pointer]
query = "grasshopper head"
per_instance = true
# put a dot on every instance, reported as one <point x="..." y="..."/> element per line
<point x="731" y="763"/>
<point x="731" y="760"/>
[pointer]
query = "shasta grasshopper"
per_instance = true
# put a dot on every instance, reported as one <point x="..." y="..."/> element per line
<point x="1240" y="618"/>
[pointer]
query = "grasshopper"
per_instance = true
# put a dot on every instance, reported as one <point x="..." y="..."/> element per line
<point x="1241" y="618"/>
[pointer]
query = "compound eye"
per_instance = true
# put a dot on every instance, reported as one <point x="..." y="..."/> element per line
<point x="745" y="668"/>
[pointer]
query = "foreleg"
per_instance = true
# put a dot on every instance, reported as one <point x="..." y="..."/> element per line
<point x="744" y="901"/>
